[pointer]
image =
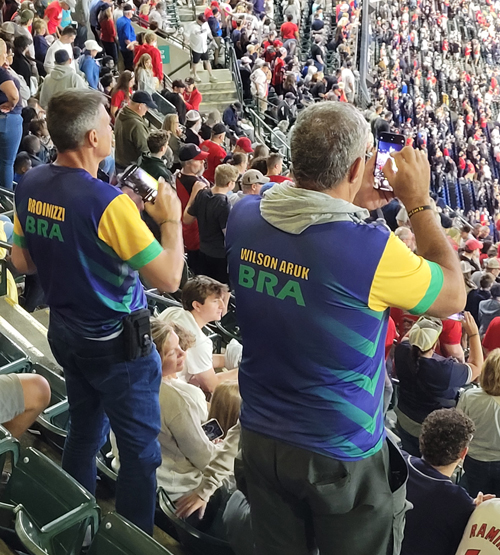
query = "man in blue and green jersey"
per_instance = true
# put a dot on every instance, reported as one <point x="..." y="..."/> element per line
<point x="86" y="240"/>
<point x="313" y="286"/>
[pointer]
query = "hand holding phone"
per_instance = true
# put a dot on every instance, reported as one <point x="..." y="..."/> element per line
<point x="411" y="182"/>
<point x="388" y="143"/>
<point x="167" y="205"/>
<point x="212" y="429"/>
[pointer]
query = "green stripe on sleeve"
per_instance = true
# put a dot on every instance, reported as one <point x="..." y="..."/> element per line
<point x="435" y="286"/>
<point x="145" y="256"/>
<point x="19" y="240"/>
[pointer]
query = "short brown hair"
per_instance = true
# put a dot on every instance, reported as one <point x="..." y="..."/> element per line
<point x="490" y="375"/>
<point x="157" y="140"/>
<point x="273" y="160"/>
<point x="224" y="174"/>
<point x="199" y="288"/>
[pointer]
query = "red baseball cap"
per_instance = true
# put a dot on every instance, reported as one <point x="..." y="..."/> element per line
<point x="191" y="152"/>
<point x="245" y="143"/>
<point x="473" y="244"/>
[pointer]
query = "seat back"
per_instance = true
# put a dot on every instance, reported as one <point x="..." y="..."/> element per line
<point x="12" y="358"/>
<point x="118" y="536"/>
<point x="53" y="422"/>
<point x="55" y="505"/>
<point x="198" y="543"/>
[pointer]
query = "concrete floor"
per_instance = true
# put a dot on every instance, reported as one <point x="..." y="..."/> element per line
<point x="104" y="495"/>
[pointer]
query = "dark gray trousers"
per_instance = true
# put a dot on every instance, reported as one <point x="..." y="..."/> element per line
<point x="300" y="499"/>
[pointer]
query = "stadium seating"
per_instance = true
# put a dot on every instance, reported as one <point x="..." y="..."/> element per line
<point x="117" y="536"/>
<point x="48" y="510"/>
<point x="196" y="542"/>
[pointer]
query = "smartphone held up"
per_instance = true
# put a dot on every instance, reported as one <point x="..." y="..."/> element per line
<point x="140" y="182"/>
<point x="387" y="144"/>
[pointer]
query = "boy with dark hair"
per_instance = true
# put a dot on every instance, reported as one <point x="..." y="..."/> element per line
<point x="21" y="165"/>
<point x="440" y="507"/>
<point x="204" y="300"/>
<point x="153" y="162"/>
<point x="210" y="207"/>
<point x="31" y="144"/>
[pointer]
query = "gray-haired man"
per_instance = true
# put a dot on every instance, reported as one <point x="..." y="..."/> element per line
<point x="302" y="261"/>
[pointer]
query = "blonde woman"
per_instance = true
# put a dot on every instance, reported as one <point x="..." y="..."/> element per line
<point x="186" y="449"/>
<point x="482" y="405"/>
<point x="145" y="79"/>
<point x="171" y="123"/>
<point x="225" y="405"/>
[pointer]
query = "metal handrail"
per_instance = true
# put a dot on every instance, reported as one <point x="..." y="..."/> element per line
<point x="234" y="68"/>
<point x="164" y="35"/>
<point x="3" y="266"/>
<point x="6" y="192"/>
<point x="363" y="58"/>
<point x="259" y="123"/>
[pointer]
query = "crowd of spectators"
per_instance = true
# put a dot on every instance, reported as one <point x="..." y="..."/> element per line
<point x="434" y="79"/>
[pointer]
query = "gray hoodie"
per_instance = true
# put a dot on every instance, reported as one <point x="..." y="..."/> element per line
<point x="488" y="310"/>
<point x="293" y="210"/>
<point x="62" y="77"/>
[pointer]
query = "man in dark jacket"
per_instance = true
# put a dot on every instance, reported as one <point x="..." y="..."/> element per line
<point x="131" y="132"/>
<point x="175" y="97"/>
<point x="153" y="162"/>
<point x="231" y="118"/>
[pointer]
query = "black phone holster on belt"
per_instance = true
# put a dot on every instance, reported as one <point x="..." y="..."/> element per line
<point x="137" y="334"/>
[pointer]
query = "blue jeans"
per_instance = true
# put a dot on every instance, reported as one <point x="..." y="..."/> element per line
<point x="102" y="386"/>
<point x="481" y="476"/>
<point x="11" y="132"/>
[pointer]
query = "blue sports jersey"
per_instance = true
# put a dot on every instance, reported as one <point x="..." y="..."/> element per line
<point x="312" y="309"/>
<point x="87" y="240"/>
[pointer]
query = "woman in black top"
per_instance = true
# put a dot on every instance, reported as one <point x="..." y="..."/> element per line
<point x="22" y="64"/>
<point x="428" y="381"/>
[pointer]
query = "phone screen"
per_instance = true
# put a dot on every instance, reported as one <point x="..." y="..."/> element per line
<point x="212" y="429"/>
<point x="388" y="143"/>
<point x="459" y="317"/>
<point x="140" y="175"/>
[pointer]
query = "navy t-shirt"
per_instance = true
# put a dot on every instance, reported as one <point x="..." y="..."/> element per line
<point x="434" y="386"/>
<point x="441" y="510"/>
<point x="6" y="76"/>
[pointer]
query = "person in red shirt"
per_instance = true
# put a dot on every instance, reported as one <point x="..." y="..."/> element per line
<point x="491" y="338"/>
<point x="290" y="33"/>
<point x="450" y="340"/>
<point x="216" y="153"/>
<point x="108" y="33"/>
<point x="192" y="96"/>
<point x="149" y="47"/>
<point x="53" y="14"/>
<point x="192" y="160"/>
<point x="275" y="167"/>
<point x="120" y="95"/>
<point x="278" y="76"/>
<point x="391" y="336"/>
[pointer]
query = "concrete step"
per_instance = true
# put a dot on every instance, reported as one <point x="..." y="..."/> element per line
<point x="219" y="86"/>
<point x="206" y="107"/>
<point x="218" y="96"/>
<point x="222" y="75"/>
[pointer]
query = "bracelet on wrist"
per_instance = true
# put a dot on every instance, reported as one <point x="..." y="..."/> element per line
<point x="419" y="209"/>
<point x="169" y="222"/>
<point x="473" y="335"/>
